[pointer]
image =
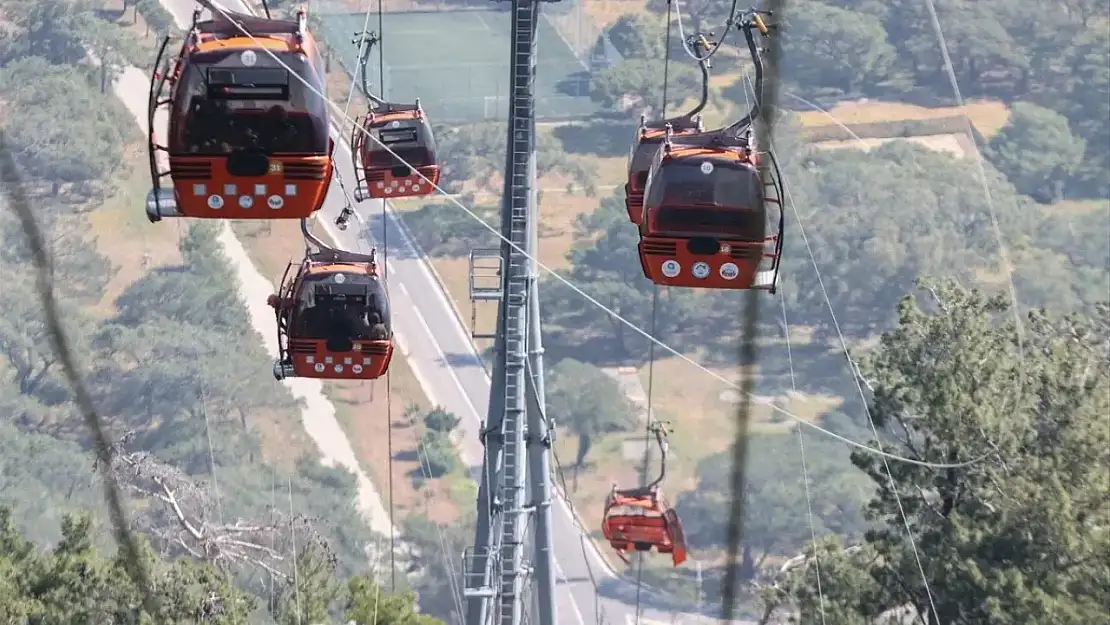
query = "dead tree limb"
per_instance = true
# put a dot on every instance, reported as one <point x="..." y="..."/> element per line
<point x="183" y="523"/>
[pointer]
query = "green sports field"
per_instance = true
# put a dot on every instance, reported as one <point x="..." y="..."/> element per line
<point x="457" y="63"/>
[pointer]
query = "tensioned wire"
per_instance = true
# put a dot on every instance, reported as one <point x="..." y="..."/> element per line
<point x="802" y="454"/>
<point x="392" y="538"/>
<point x="1004" y="258"/>
<point x="654" y="314"/>
<point x="13" y="189"/>
<point x="855" y="378"/>
<point x="442" y="540"/>
<point x="385" y="279"/>
<point x="579" y="291"/>
<point x="15" y="192"/>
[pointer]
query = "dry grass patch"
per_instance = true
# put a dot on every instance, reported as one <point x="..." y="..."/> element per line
<point x="704" y="410"/>
<point x="558" y="212"/>
<point x="132" y="244"/>
<point x="281" y="435"/>
<point x="1076" y="207"/>
<point x="602" y="13"/>
<point x="372" y="412"/>
<point x="272" y="245"/>
<point x="988" y="116"/>
<point x="957" y="144"/>
<point x="703" y="418"/>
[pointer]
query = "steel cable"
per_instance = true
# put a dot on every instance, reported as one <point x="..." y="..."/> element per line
<point x="594" y="301"/>
<point x="766" y="101"/>
<point x="654" y="311"/>
<point x="385" y="279"/>
<point x="16" y="195"/>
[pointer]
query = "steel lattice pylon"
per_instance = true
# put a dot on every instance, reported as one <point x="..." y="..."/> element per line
<point x="516" y="434"/>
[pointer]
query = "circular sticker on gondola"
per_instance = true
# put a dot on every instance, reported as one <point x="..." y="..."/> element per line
<point x="701" y="271"/>
<point x="729" y="271"/>
<point x="275" y="202"/>
<point x="319" y="367"/>
<point x="249" y="58"/>
<point x="671" y="268"/>
<point x="215" y="202"/>
<point x="246" y="201"/>
<point x="357" y="369"/>
<point x="340" y="278"/>
<point x="394" y="124"/>
<point x="707" y="168"/>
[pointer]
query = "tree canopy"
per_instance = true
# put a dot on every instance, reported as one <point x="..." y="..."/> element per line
<point x="588" y="401"/>
<point x="57" y="59"/>
<point x="1017" y="532"/>
<point x="76" y="582"/>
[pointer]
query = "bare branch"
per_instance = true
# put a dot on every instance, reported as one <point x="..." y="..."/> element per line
<point x="183" y="523"/>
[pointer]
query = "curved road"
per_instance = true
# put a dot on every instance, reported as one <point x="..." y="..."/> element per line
<point x="439" y="350"/>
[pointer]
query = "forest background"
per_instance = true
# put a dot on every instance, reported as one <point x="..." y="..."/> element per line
<point x="160" y="327"/>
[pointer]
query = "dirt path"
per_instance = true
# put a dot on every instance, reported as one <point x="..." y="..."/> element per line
<point x="317" y="413"/>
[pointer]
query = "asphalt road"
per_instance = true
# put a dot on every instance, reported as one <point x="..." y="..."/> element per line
<point x="438" y="347"/>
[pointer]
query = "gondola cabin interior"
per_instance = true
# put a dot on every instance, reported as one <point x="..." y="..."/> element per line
<point x="396" y="153"/>
<point x="333" y="322"/>
<point x="643" y="522"/>
<point x="248" y="134"/>
<point x="648" y="141"/>
<point x="705" y="219"/>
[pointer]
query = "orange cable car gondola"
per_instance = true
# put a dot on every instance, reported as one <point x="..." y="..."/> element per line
<point x="332" y="316"/>
<point x="649" y="139"/>
<point x="248" y="134"/>
<point x="706" y="210"/>
<point x="639" y="519"/>
<point x="408" y="168"/>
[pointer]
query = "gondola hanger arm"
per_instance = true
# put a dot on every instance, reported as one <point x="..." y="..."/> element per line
<point x="369" y="39"/>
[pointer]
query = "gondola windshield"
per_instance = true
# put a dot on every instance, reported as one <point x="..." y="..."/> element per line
<point x="247" y="83"/>
<point x="699" y="182"/>
<point x="351" y="309"/>
<point x="225" y="105"/>
<point x="399" y="135"/>
<point x="410" y="139"/>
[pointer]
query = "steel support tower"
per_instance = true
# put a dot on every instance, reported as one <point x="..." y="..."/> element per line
<point x="516" y="433"/>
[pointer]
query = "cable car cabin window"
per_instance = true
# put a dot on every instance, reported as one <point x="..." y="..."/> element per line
<point x="685" y="199"/>
<point x="353" y="310"/>
<point x="742" y="224"/>
<point x="412" y="142"/>
<point x="334" y="315"/>
<point x="222" y="106"/>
